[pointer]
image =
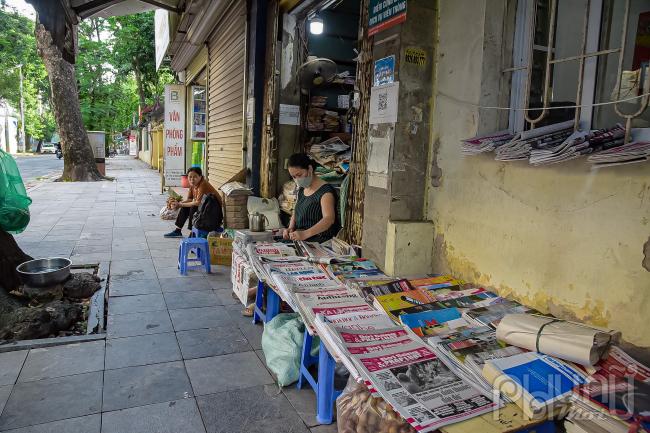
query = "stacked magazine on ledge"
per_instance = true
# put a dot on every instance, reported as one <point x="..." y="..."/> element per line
<point x="630" y="153"/>
<point x="400" y="367"/>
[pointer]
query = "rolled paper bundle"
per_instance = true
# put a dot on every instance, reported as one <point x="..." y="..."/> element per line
<point x="569" y="341"/>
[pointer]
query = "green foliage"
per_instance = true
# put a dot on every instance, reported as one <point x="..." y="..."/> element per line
<point x="112" y="54"/>
<point x="18" y="47"/>
<point x="134" y="53"/>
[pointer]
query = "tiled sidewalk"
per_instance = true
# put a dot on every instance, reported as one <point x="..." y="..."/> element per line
<point x="178" y="356"/>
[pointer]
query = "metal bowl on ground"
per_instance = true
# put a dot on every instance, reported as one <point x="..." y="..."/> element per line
<point x="44" y="272"/>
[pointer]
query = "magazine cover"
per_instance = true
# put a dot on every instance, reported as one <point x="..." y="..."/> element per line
<point x="429" y="323"/>
<point x="412" y="301"/>
<point x="421" y="387"/>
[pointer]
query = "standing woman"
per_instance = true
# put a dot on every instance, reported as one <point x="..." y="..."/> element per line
<point x="315" y="218"/>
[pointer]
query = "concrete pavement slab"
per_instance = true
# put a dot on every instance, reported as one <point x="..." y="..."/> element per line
<point x="84" y="424"/>
<point x="183" y="284"/>
<point x="5" y="391"/>
<point x="141" y="350"/>
<point x="143" y="385"/>
<point x="224" y="373"/>
<point x="134" y="287"/>
<point x="55" y="399"/>
<point x="171" y="417"/>
<point x="136" y="303"/>
<point x="272" y="412"/>
<point x="177" y="300"/>
<point x="201" y="343"/>
<point x="225" y="297"/>
<point x="131" y="325"/>
<point x="253" y="333"/>
<point x="134" y="269"/>
<point x="10" y="365"/>
<point x="65" y="360"/>
<point x="198" y="318"/>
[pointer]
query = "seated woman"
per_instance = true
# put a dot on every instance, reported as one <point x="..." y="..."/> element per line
<point x="315" y="218"/>
<point x="198" y="188"/>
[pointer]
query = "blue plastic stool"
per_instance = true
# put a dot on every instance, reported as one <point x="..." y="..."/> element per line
<point x="272" y="304"/>
<point x="199" y="246"/>
<point x="196" y="233"/>
<point x="326" y="395"/>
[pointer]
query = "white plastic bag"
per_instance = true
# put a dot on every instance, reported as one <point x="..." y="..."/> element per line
<point x="168" y="214"/>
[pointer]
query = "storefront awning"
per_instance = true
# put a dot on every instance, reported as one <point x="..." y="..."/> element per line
<point x="111" y="8"/>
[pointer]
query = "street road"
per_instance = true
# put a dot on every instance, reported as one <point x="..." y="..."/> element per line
<point x="33" y="167"/>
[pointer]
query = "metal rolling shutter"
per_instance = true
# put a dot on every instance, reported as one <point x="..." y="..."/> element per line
<point x="226" y="80"/>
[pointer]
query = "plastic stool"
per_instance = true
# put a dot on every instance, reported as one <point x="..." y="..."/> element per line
<point x="196" y="233"/>
<point x="200" y="248"/>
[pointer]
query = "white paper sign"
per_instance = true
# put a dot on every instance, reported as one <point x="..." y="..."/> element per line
<point x="344" y="101"/>
<point x="383" y="103"/>
<point x="289" y="114"/>
<point x="250" y="111"/>
<point x="174" y="137"/>
<point x="133" y="145"/>
<point x="378" y="159"/>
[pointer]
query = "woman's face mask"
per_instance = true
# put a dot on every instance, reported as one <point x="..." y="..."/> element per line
<point x="302" y="177"/>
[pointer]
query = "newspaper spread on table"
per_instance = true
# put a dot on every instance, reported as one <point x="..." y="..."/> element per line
<point x="413" y="379"/>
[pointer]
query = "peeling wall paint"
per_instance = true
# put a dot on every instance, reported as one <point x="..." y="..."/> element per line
<point x="562" y="239"/>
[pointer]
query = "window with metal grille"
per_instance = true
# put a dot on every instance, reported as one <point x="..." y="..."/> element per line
<point x="582" y="53"/>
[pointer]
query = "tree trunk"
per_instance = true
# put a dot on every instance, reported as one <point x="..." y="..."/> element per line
<point x="138" y="80"/>
<point x="10" y="256"/>
<point x="79" y="161"/>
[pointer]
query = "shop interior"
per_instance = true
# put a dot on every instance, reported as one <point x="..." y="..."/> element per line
<point x="328" y="36"/>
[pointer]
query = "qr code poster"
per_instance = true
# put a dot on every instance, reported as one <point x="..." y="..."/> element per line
<point x="383" y="103"/>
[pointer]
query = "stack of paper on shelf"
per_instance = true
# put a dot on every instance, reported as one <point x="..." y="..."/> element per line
<point x="574" y="342"/>
<point x="539" y="384"/>
<point x="485" y="143"/>
<point x="630" y="153"/>
<point x="543" y="137"/>
<point x="578" y="144"/>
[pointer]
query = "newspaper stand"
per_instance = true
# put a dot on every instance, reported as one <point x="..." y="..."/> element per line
<point x="323" y="386"/>
<point x="509" y="419"/>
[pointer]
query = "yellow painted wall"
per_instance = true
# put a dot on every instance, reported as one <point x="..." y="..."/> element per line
<point x="563" y="239"/>
<point x="156" y="147"/>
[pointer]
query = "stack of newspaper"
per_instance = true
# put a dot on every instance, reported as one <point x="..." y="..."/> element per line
<point x="468" y="348"/>
<point x="293" y="277"/>
<point x="329" y="303"/>
<point x="615" y="396"/>
<point x="263" y="252"/>
<point x="485" y="143"/>
<point x="538" y="138"/>
<point x="630" y="153"/>
<point x="578" y="144"/>
<point x="407" y="373"/>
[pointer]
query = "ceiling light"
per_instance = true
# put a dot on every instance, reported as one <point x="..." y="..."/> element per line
<point x="316" y="26"/>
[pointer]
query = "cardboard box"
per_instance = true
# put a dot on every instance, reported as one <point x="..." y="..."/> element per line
<point x="220" y="250"/>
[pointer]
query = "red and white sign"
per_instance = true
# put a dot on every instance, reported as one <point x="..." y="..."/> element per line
<point x="174" y="134"/>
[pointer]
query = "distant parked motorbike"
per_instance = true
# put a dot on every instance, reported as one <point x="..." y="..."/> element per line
<point x="58" y="151"/>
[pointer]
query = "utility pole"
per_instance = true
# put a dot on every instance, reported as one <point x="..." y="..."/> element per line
<point x="22" y="110"/>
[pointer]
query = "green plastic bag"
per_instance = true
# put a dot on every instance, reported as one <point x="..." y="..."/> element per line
<point x="14" y="202"/>
<point x="282" y="345"/>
